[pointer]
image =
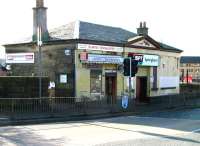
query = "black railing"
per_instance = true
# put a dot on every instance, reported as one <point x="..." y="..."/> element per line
<point x="70" y="106"/>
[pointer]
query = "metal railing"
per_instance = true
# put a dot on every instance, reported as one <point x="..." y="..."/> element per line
<point x="73" y="106"/>
<point x="56" y="106"/>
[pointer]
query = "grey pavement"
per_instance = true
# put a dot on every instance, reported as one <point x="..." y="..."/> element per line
<point x="172" y="128"/>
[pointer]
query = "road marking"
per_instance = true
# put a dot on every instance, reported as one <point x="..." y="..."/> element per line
<point x="197" y="130"/>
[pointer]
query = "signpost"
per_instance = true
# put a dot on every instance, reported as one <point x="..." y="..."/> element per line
<point x="39" y="43"/>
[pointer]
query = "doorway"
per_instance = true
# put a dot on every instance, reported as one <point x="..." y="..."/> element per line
<point x="110" y="87"/>
<point x="141" y="90"/>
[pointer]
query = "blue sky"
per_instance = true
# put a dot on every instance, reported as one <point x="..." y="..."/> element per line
<point x="175" y="22"/>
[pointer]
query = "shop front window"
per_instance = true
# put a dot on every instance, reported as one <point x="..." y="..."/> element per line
<point x="95" y="81"/>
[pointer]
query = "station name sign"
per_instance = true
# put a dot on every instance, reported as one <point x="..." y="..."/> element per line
<point x="150" y="60"/>
<point x="12" y="58"/>
<point x="100" y="48"/>
<point x="146" y="59"/>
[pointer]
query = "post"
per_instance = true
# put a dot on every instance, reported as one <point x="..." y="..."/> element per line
<point x="187" y="76"/>
<point x="130" y="78"/>
<point x="40" y="73"/>
<point x="182" y="77"/>
<point x="39" y="43"/>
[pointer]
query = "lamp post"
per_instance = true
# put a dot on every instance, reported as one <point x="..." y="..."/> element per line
<point x="39" y="44"/>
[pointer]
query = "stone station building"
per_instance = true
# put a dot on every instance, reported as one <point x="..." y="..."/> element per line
<point x="85" y="59"/>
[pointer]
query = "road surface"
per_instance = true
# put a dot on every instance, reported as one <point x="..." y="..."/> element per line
<point x="172" y="128"/>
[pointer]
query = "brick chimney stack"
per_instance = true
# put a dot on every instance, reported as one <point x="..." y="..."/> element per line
<point x="40" y="3"/>
<point x="143" y="29"/>
<point x="40" y="20"/>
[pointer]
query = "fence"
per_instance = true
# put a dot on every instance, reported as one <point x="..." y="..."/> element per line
<point x="57" y="107"/>
<point x="29" y="108"/>
<point x="22" y="87"/>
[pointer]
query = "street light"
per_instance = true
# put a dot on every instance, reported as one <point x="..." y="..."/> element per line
<point x="39" y="44"/>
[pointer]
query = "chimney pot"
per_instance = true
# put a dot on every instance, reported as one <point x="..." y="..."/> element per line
<point x="140" y="24"/>
<point x="143" y="29"/>
<point x="144" y="24"/>
<point x="39" y="3"/>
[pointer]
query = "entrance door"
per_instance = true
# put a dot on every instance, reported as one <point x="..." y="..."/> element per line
<point x="141" y="89"/>
<point x="110" y="88"/>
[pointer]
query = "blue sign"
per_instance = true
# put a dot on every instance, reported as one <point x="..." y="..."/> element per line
<point x="110" y="59"/>
<point x="125" y="101"/>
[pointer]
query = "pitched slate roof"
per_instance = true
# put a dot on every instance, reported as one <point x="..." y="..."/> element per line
<point x="165" y="46"/>
<point x="190" y="59"/>
<point x="64" y="32"/>
<point x="104" y="33"/>
<point x="91" y="31"/>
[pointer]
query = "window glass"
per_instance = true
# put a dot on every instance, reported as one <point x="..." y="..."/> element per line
<point x="95" y="81"/>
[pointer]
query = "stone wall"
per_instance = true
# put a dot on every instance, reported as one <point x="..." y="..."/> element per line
<point x="54" y="63"/>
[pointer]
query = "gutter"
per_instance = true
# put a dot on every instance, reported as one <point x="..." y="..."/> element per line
<point x="85" y="41"/>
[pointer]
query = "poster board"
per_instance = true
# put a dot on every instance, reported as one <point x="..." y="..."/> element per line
<point x="168" y="82"/>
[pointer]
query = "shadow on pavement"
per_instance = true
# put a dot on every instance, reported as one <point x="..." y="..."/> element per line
<point x="151" y="134"/>
<point x="183" y="120"/>
<point x="170" y="137"/>
<point x="192" y="114"/>
<point x="25" y="137"/>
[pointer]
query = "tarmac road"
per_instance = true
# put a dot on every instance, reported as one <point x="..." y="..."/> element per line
<point x="172" y="128"/>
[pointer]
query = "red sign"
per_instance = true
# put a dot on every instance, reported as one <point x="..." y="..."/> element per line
<point x="189" y="79"/>
<point x="83" y="56"/>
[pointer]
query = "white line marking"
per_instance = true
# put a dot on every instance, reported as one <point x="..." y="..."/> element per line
<point x="197" y="130"/>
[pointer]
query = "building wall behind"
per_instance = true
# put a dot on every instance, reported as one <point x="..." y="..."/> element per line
<point x="83" y="79"/>
<point x="168" y="67"/>
<point x="54" y="63"/>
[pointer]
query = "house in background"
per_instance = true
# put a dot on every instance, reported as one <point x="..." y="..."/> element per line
<point x="85" y="59"/>
<point x="190" y="68"/>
